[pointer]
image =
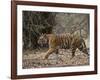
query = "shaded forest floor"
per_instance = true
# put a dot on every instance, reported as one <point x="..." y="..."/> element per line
<point x="32" y="59"/>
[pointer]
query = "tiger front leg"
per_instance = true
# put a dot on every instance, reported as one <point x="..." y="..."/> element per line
<point x="50" y="51"/>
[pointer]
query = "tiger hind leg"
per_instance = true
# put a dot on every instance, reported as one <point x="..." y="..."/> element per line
<point x="73" y="52"/>
<point x="83" y="48"/>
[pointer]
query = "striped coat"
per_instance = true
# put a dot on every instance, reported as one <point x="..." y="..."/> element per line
<point x="66" y="41"/>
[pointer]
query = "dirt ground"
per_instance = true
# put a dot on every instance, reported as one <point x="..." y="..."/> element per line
<point x="32" y="59"/>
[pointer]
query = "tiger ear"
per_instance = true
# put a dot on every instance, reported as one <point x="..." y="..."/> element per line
<point x="44" y="35"/>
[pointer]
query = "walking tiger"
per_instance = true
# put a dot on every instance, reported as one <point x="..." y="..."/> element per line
<point x="66" y="41"/>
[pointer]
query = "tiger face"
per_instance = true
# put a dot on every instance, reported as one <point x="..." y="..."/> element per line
<point x="43" y="41"/>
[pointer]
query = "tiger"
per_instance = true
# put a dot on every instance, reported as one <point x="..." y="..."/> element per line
<point x="65" y="41"/>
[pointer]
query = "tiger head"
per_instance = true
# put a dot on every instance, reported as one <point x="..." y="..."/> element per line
<point x="43" y="40"/>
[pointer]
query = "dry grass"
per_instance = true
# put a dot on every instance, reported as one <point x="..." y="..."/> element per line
<point x="33" y="59"/>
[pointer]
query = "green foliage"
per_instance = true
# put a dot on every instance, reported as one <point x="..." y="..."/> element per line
<point x="34" y="24"/>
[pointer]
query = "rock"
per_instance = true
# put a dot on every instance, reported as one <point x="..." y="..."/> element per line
<point x="55" y="60"/>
